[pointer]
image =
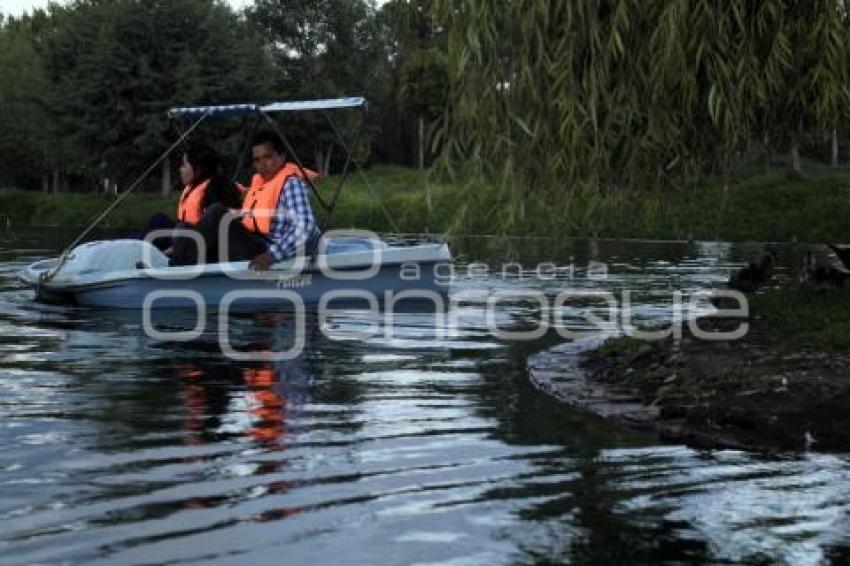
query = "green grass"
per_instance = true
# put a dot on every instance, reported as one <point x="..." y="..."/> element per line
<point x="382" y="199"/>
<point x="773" y="206"/>
<point x="390" y="199"/>
<point x="758" y="206"/>
<point x="624" y="350"/>
<point x="790" y="318"/>
<point x="799" y="316"/>
<point x="35" y="208"/>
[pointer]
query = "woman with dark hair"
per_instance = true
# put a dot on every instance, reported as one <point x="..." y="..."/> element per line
<point x="203" y="186"/>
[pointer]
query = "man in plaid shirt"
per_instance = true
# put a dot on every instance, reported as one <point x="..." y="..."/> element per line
<point x="293" y="224"/>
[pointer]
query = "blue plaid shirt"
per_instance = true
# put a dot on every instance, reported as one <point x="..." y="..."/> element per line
<point x="293" y="223"/>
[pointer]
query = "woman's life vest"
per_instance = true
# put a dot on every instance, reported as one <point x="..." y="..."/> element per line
<point x="191" y="200"/>
<point x="262" y="197"/>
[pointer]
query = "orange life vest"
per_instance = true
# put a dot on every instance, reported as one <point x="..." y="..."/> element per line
<point x="262" y="197"/>
<point x="191" y="200"/>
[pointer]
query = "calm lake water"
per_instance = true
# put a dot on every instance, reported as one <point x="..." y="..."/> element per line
<point x="423" y="445"/>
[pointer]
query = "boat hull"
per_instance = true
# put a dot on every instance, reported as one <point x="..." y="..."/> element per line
<point x="221" y="291"/>
<point x="344" y="279"/>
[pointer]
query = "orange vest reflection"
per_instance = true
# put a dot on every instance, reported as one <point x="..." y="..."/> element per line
<point x="267" y="427"/>
<point x="267" y="407"/>
<point x="195" y="404"/>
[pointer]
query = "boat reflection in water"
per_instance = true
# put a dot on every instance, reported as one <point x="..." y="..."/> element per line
<point x="254" y="406"/>
<point x="226" y="401"/>
<point x="214" y="402"/>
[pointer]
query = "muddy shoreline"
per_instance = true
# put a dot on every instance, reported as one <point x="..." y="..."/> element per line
<point x="753" y="393"/>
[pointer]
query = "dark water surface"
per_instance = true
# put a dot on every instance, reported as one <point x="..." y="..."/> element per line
<point x="422" y="445"/>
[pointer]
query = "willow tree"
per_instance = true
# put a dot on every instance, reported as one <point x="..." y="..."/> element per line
<point x="553" y="96"/>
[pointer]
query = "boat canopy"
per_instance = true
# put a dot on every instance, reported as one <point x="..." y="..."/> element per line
<point x="282" y="106"/>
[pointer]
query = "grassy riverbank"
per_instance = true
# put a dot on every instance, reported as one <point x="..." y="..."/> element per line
<point x="796" y="316"/>
<point x="758" y="206"/>
<point x="784" y="385"/>
<point x="383" y="199"/>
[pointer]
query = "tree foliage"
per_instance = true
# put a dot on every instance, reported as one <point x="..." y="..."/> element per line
<point x="323" y="47"/>
<point x="118" y="66"/>
<point x="425" y="83"/>
<point x="554" y="95"/>
<point x="84" y="86"/>
<point x="112" y="69"/>
<point x="24" y="125"/>
<point x="549" y="95"/>
<point x="333" y="47"/>
<point x="417" y="74"/>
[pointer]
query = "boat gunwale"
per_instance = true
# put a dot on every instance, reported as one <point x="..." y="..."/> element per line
<point x="189" y="273"/>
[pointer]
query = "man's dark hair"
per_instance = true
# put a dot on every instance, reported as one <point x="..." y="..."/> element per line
<point x="270" y="137"/>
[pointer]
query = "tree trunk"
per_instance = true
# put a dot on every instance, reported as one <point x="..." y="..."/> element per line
<point x="795" y="157"/>
<point x="795" y="150"/>
<point x="767" y="153"/>
<point x="165" y="186"/>
<point x="45" y="183"/>
<point x="421" y="143"/>
<point x="834" y="160"/>
<point x="55" y="182"/>
<point x="323" y="161"/>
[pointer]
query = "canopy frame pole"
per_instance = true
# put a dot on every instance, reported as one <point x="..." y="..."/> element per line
<point x="49" y="274"/>
<point x="349" y="158"/>
<point x="369" y="186"/>
<point x="246" y="148"/>
<point x="176" y="126"/>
